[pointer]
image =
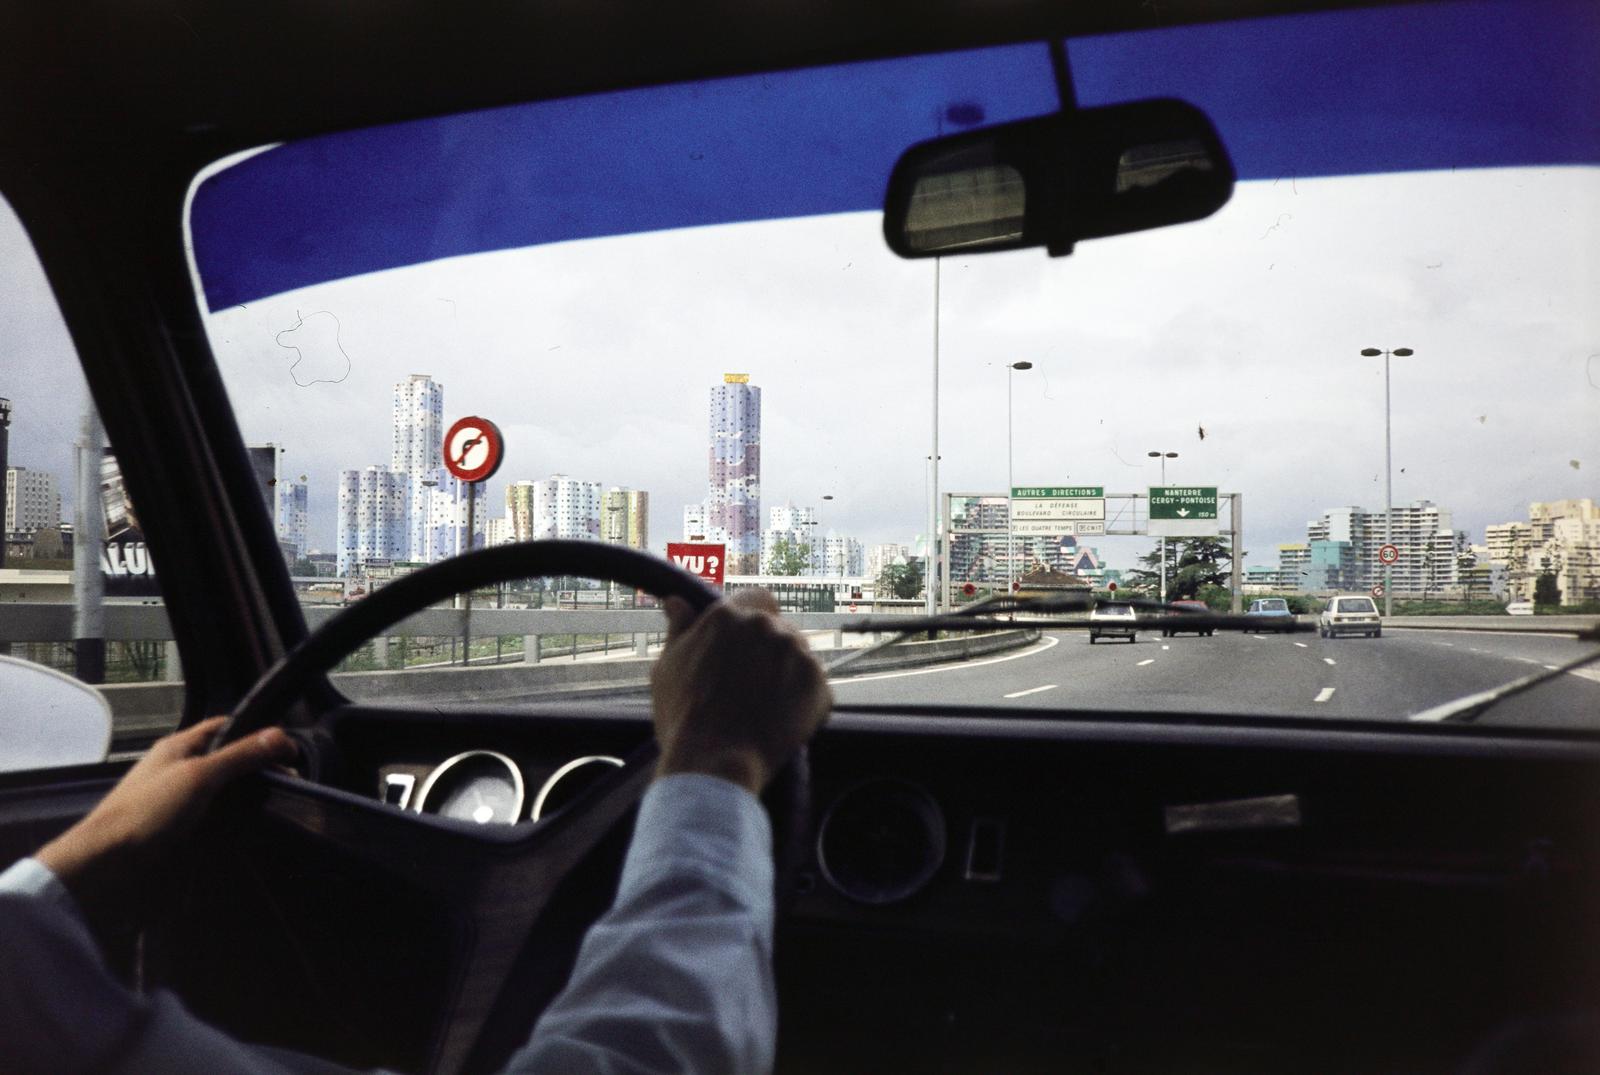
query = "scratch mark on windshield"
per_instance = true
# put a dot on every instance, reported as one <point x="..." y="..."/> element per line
<point x="1574" y="464"/>
<point x="323" y="341"/>
<point x="1590" y="367"/>
<point x="1277" y="224"/>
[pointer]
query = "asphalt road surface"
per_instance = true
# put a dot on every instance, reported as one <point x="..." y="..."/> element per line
<point x="1393" y="677"/>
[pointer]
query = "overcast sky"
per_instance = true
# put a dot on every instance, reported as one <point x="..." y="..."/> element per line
<point x="595" y="357"/>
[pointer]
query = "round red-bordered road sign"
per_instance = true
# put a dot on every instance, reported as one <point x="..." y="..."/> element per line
<point x="1388" y="554"/>
<point x="473" y="449"/>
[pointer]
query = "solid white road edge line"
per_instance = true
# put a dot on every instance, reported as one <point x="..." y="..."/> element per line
<point x="1323" y="695"/>
<point x="1045" y="643"/>
<point x="1030" y="690"/>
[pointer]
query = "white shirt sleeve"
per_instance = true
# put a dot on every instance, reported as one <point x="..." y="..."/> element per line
<point x="676" y="977"/>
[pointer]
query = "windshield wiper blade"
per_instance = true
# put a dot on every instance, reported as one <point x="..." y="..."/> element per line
<point x="904" y="630"/>
<point x="1470" y="708"/>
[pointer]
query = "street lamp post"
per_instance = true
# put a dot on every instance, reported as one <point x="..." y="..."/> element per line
<point x="1163" y="456"/>
<point x="1388" y="468"/>
<point x="1011" y="544"/>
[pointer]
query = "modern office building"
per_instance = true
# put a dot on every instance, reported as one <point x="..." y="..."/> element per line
<point x="839" y="556"/>
<point x="733" y="502"/>
<point x="1293" y="561"/>
<point x="625" y="517"/>
<point x="292" y="506"/>
<point x="373" y="515"/>
<point x="416" y="452"/>
<point x="32" y="500"/>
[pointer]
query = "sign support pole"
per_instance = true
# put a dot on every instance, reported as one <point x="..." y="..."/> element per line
<point x="88" y="544"/>
<point x="466" y="615"/>
<point x="1236" y="552"/>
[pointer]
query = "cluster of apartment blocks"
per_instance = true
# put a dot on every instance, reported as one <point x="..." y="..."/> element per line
<point x="1341" y="553"/>
<point x="414" y="510"/>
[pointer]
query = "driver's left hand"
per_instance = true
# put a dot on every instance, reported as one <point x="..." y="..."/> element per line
<point x="157" y="801"/>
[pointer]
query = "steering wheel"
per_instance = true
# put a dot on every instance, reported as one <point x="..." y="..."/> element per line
<point x="501" y="877"/>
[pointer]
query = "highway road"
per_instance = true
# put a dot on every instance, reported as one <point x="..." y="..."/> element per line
<point x="1393" y="677"/>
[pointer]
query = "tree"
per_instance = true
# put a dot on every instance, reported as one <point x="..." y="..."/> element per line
<point x="790" y="557"/>
<point x="901" y="580"/>
<point x="1546" y="592"/>
<point x="1192" y="563"/>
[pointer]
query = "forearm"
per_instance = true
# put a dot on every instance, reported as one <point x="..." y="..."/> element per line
<point x="677" y="976"/>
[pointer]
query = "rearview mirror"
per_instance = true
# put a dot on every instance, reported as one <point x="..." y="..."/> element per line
<point x="48" y="719"/>
<point x="1054" y="180"/>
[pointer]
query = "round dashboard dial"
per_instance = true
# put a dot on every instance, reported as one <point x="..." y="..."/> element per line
<point x="881" y="841"/>
<point x="481" y="786"/>
<point x="569" y="781"/>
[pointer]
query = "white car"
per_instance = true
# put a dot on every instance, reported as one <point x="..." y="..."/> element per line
<point x="1113" y="621"/>
<point x="1520" y="608"/>
<point x="1349" y="614"/>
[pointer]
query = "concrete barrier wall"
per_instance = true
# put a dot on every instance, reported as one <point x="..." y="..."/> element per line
<point x="1550" y="624"/>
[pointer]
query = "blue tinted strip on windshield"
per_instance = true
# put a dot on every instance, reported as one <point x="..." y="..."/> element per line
<point x="1418" y="87"/>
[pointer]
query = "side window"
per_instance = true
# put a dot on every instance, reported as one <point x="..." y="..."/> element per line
<point x="65" y="502"/>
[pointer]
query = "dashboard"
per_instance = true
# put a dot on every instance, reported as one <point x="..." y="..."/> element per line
<point x="980" y="890"/>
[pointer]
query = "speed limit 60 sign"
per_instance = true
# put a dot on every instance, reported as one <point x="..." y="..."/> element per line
<point x="1388" y="554"/>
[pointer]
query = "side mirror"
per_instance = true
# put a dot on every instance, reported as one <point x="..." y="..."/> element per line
<point x="1056" y="179"/>
<point x="48" y="720"/>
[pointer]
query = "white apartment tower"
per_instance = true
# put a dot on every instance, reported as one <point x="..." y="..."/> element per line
<point x="32" y="500"/>
<point x="373" y="505"/>
<point x="416" y="454"/>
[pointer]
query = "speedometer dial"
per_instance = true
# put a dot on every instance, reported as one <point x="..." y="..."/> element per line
<point x="479" y="786"/>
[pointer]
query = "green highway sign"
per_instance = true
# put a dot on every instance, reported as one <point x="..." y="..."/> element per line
<point x="1183" y="510"/>
<point x="1183" y="502"/>
<point x="1058" y="492"/>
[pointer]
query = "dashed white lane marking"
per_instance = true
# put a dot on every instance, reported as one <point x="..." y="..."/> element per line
<point x="1447" y="644"/>
<point x="1302" y="645"/>
<point x="1166" y="647"/>
<point x="1329" y="660"/>
<point x="1045" y="643"/>
<point x="1525" y="660"/>
<point x="1147" y="660"/>
<point x="1552" y="667"/>
<point x="1030" y="690"/>
<point x="1475" y="649"/>
<point x="1323" y="695"/>
<point x="1260" y="638"/>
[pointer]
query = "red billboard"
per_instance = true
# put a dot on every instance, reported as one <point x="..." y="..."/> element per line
<point x="705" y="560"/>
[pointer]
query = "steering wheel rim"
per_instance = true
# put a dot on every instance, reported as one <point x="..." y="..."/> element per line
<point x="292" y="677"/>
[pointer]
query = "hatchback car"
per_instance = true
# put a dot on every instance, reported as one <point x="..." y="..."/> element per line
<point x="1113" y="621"/>
<point x="1349" y="614"/>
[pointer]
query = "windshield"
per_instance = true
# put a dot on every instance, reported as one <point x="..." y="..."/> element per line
<point x="677" y="307"/>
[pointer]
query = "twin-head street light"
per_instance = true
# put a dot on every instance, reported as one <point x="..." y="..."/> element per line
<point x="1163" y="456"/>
<point x="1011" y="550"/>
<point x="1388" y="468"/>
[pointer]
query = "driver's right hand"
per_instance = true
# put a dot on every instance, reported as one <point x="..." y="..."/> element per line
<point x="736" y="692"/>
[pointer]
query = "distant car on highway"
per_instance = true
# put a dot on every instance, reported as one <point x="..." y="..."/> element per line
<point x="1274" y="614"/>
<point x="1113" y="621"/>
<point x="1187" y="607"/>
<point x="1349" y="614"/>
<point x="1520" y="608"/>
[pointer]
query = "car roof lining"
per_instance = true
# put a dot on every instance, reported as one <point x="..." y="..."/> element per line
<point x="246" y="74"/>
